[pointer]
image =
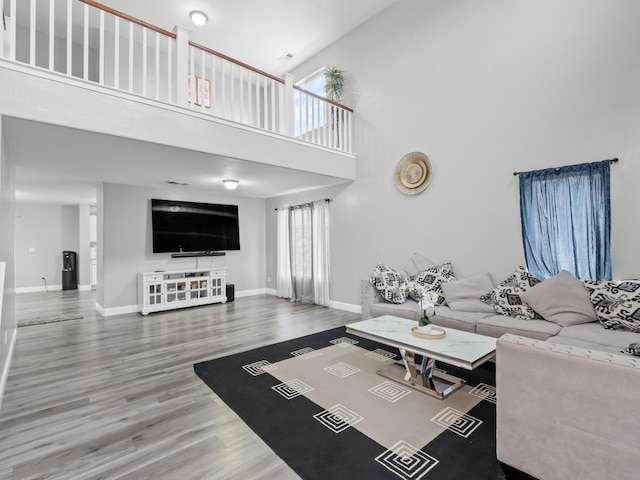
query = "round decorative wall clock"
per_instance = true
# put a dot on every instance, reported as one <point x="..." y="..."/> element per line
<point x="413" y="173"/>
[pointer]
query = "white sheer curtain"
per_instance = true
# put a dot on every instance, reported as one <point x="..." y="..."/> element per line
<point x="284" y="287"/>
<point x="303" y="253"/>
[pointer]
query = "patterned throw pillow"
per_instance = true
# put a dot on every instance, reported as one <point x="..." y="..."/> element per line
<point x="433" y="278"/>
<point x="388" y="282"/>
<point x="617" y="304"/>
<point x="505" y="298"/>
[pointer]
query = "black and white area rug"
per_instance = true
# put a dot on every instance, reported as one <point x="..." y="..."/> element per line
<point x="62" y="317"/>
<point x="319" y="404"/>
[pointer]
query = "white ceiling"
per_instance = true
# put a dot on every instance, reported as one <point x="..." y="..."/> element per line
<point x="259" y="33"/>
<point x="66" y="165"/>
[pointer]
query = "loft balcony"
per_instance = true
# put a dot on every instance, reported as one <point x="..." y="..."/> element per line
<point x="58" y="57"/>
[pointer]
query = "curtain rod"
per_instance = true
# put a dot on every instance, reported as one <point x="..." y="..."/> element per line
<point x="308" y="203"/>
<point x="612" y="160"/>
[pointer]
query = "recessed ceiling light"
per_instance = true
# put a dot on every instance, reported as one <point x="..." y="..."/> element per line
<point x="198" y="18"/>
<point x="179" y="183"/>
<point x="231" y="184"/>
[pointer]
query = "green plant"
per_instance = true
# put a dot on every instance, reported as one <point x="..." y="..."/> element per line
<point x="334" y="83"/>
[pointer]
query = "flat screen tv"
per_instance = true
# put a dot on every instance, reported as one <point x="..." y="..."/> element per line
<point x="180" y="226"/>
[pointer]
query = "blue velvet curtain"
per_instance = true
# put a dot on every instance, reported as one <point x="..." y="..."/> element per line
<point x="566" y="220"/>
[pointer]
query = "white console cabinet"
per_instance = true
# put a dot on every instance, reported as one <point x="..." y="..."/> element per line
<point x="158" y="291"/>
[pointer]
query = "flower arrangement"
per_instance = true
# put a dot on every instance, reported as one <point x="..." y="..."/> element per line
<point x="426" y="298"/>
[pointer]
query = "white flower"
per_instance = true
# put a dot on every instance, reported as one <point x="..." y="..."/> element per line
<point x="432" y="298"/>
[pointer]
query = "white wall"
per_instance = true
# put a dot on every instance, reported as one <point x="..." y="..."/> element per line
<point x="48" y="230"/>
<point x="126" y="243"/>
<point x="7" y="309"/>
<point x="484" y="89"/>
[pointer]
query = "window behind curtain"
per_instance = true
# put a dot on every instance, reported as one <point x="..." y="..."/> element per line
<point x="566" y="220"/>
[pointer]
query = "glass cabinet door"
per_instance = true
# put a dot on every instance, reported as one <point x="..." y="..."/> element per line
<point x="155" y="294"/>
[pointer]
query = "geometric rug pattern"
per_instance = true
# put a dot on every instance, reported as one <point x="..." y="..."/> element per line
<point x="319" y="405"/>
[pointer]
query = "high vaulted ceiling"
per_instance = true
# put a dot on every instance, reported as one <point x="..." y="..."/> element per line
<point x="257" y="32"/>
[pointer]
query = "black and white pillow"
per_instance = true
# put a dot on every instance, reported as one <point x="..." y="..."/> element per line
<point x="389" y="283"/>
<point x="617" y="304"/>
<point x="433" y="278"/>
<point x="505" y="298"/>
<point x="633" y="349"/>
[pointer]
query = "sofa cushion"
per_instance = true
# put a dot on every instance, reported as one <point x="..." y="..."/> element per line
<point x="433" y="278"/>
<point x="505" y="298"/>
<point x="417" y="263"/>
<point x="498" y="325"/>
<point x="561" y="299"/>
<point x="389" y="282"/>
<point x="617" y="304"/>
<point x="594" y="333"/>
<point x="408" y="309"/>
<point x="460" y="320"/>
<point x="464" y="295"/>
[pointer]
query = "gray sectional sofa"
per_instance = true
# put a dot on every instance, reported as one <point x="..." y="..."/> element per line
<point x="566" y="395"/>
<point x="573" y="319"/>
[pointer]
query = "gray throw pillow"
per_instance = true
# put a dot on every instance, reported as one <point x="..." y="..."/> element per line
<point x="561" y="299"/>
<point x="417" y="263"/>
<point x="464" y="295"/>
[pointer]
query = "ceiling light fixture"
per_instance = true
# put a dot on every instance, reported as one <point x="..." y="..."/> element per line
<point x="231" y="184"/>
<point x="198" y="18"/>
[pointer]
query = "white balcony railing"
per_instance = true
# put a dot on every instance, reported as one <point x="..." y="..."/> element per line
<point x="89" y="41"/>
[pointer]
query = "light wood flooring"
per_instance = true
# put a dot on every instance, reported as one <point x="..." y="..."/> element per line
<point x="117" y="397"/>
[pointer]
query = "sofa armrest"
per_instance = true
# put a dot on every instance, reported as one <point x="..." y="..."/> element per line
<point x="368" y="296"/>
<point x="566" y="412"/>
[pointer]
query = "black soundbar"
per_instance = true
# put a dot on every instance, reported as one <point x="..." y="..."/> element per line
<point x="206" y="253"/>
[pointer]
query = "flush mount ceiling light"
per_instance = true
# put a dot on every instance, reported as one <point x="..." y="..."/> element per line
<point x="231" y="184"/>
<point x="198" y="18"/>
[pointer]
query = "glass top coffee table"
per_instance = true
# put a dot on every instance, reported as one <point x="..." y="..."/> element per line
<point x="462" y="349"/>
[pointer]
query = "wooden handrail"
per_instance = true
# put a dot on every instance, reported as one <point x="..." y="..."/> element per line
<point x="129" y="18"/>
<point x="324" y="99"/>
<point x="237" y="62"/>
<point x="206" y="49"/>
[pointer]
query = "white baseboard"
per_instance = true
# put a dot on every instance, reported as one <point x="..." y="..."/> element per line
<point x="48" y="288"/>
<point x="7" y="365"/>
<point x="109" y="312"/>
<point x="257" y="291"/>
<point x="51" y="288"/>
<point x="270" y="291"/>
<point x="348" y="307"/>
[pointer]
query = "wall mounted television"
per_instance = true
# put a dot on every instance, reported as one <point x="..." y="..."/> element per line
<point x="205" y="228"/>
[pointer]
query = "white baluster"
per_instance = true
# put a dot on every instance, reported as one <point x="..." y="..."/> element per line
<point x="69" y="37"/>
<point x="350" y="132"/>
<point x="14" y="36"/>
<point x="32" y="33"/>
<point x="101" y="67"/>
<point x="314" y="101"/>
<point x="145" y="66"/>
<point x="116" y="53"/>
<point x="258" y="110"/>
<point x="203" y="74"/>
<point x="223" y="82"/>
<point x="273" y="106"/>
<point x="169" y="71"/>
<point x="131" y="52"/>
<point x="52" y="33"/>
<point x="193" y="89"/>
<point x="250" y="120"/>
<point x="232" y="99"/>
<point x="157" y="66"/>
<point x="85" y="43"/>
